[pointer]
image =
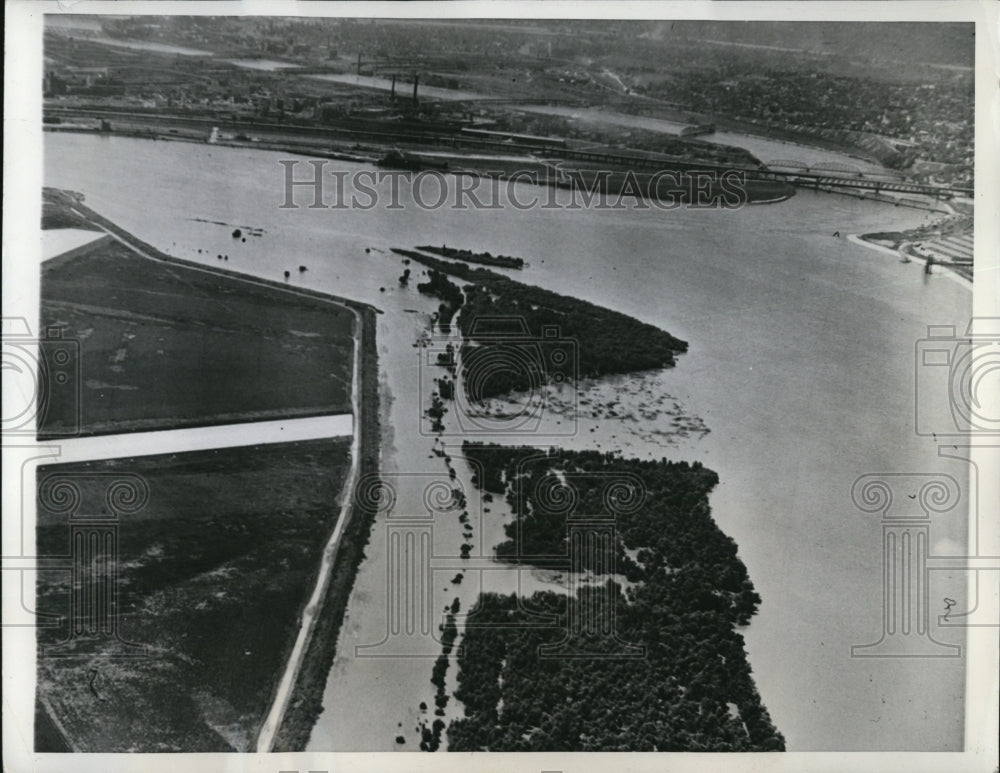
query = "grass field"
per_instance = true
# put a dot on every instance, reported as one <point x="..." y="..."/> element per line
<point x="213" y="573"/>
<point x="55" y="214"/>
<point x="166" y="346"/>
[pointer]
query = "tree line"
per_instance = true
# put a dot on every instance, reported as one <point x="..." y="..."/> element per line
<point x="503" y="320"/>
<point x="670" y="674"/>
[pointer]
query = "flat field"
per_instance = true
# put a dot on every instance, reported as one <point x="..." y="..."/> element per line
<point x="163" y="346"/>
<point x="212" y="576"/>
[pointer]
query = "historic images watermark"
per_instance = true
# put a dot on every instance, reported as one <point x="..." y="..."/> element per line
<point x="317" y="184"/>
<point x="42" y="383"/>
<point x="957" y="405"/>
<point x="412" y="510"/>
<point x="489" y="356"/>
<point x="94" y="504"/>
<point x="906" y="627"/>
<point x="42" y="398"/>
<point x="965" y="371"/>
<point x="434" y="523"/>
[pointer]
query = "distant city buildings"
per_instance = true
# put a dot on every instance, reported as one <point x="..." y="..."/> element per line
<point x="920" y="124"/>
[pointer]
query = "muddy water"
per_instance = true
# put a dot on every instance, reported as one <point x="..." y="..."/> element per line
<point x="801" y="366"/>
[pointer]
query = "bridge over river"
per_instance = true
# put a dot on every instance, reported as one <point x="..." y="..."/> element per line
<point x="826" y="175"/>
<point x="845" y="176"/>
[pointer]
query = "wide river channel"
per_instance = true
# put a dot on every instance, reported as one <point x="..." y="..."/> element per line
<point x="801" y="366"/>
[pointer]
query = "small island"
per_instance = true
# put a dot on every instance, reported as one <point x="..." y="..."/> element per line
<point x="497" y="313"/>
<point x="664" y="669"/>
<point x="482" y="258"/>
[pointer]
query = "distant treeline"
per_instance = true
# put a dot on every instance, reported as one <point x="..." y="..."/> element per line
<point x="668" y="674"/>
<point x="502" y="318"/>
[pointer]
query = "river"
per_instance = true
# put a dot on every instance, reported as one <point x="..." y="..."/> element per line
<point x="801" y="365"/>
<point x="764" y="148"/>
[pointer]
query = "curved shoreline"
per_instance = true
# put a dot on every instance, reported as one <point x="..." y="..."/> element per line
<point x="857" y="255"/>
<point x="909" y="257"/>
<point x="756" y="191"/>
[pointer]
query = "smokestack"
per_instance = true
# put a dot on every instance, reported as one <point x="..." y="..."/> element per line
<point x="359" y="63"/>
<point x="392" y="93"/>
<point x="416" y="83"/>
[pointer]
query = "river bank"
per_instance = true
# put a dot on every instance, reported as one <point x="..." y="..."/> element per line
<point x="679" y="183"/>
<point x="777" y="376"/>
<point x="503" y="639"/>
<point x="947" y="243"/>
<point x="230" y="716"/>
<point x="306" y="701"/>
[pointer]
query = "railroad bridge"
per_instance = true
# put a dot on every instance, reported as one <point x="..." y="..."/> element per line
<point x="823" y="175"/>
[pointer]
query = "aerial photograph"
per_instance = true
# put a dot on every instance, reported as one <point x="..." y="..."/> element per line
<point x="504" y="385"/>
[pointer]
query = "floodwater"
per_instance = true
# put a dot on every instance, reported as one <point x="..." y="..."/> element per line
<point x="146" y="45"/>
<point x="596" y="115"/>
<point x="801" y="367"/>
<point x="769" y="150"/>
<point x="763" y="148"/>
<point x="269" y="65"/>
<point x="403" y="88"/>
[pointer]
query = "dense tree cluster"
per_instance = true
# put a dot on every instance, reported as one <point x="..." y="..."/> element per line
<point x="670" y="674"/>
<point x="598" y="332"/>
<point x="431" y="737"/>
<point x="450" y="294"/>
<point x="588" y="337"/>
<point x="483" y="258"/>
<point x="668" y="527"/>
<point x="489" y="466"/>
<point x="446" y="388"/>
<point x="688" y="689"/>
